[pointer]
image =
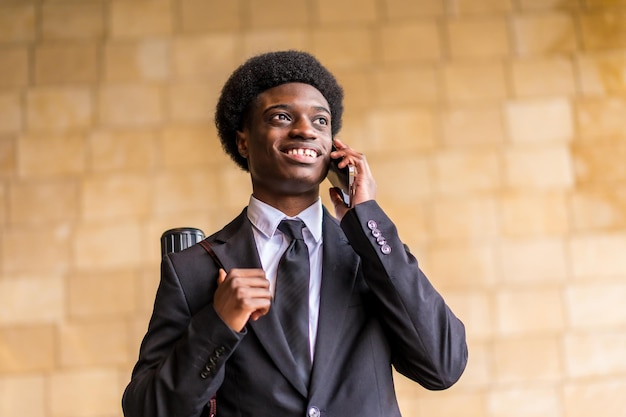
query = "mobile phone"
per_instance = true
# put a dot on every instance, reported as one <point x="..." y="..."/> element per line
<point x="342" y="178"/>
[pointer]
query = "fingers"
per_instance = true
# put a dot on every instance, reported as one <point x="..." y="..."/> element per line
<point x="222" y="276"/>
<point x="365" y="185"/>
<point x="242" y="294"/>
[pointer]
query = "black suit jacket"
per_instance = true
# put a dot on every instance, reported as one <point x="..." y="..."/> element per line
<point x="377" y="309"/>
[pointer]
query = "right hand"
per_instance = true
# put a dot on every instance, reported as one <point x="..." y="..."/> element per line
<point x="242" y="295"/>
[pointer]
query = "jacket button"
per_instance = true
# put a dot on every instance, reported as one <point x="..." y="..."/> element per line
<point x="314" y="412"/>
<point x="385" y="249"/>
<point x="372" y="225"/>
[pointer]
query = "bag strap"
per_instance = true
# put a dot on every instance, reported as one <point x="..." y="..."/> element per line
<point x="207" y="246"/>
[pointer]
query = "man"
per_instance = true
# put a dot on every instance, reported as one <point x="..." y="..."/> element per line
<point x="218" y="326"/>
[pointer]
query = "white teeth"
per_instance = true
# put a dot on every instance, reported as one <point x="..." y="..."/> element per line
<point x="303" y="152"/>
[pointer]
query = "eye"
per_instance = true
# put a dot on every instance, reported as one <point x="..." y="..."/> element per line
<point x="280" y="117"/>
<point x="322" y="120"/>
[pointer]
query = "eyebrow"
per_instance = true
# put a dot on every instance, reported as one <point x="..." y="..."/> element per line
<point x="288" y="106"/>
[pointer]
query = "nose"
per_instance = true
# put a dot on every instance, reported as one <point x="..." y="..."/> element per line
<point x="303" y="128"/>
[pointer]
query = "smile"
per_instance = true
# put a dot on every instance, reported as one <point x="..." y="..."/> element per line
<point x="311" y="153"/>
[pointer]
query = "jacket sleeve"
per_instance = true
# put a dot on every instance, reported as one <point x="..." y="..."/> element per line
<point x="427" y="340"/>
<point x="182" y="356"/>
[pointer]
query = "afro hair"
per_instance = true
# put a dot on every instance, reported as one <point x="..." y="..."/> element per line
<point x="261" y="73"/>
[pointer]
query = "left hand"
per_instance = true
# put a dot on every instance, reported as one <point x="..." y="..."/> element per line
<point x="365" y="186"/>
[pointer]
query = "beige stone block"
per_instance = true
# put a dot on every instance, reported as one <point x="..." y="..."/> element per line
<point x="131" y="105"/>
<point x="601" y="116"/>
<point x="534" y="261"/>
<point x="234" y="192"/>
<point x="43" y="202"/>
<point x="478" y="37"/>
<point x="411" y="130"/>
<point x="192" y="102"/>
<point x="599" y="207"/>
<point x="403" y="9"/>
<point x="185" y="190"/>
<point x="554" y="116"/>
<point x="544" y="34"/>
<point x="591" y="305"/>
<point x="462" y="266"/>
<point x="407" y="86"/>
<point x="458" y="219"/>
<point x="473" y="126"/>
<point x="583" y="397"/>
<point x="10" y="113"/>
<point x="528" y="214"/>
<point x="598" y="255"/>
<point x="51" y="155"/>
<point x="114" y="196"/>
<point x="198" y="16"/>
<point x="461" y="7"/>
<point x="358" y="94"/>
<point x="23" y="395"/>
<point x="97" y="343"/>
<point x="137" y="61"/>
<point x="17" y="22"/>
<point x="595" y="353"/>
<point x="204" y="57"/>
<point x="141" y="19"/>
<point x="527" y="360"/>
<point x="73" y="20"/>
<point x="103" y="294"/>
<point x="66" y="63"/>
<point x="410" y="43"/>
<point x="467" y="171"/>
<point x="107" y="245"/>
<point x="475" y="81"/>
<point x="59" y="108"/>
<point x="3" y="204"/>
<point x="600" y="162"/>
<point x="466" y="403"/>
<point x="344" y="47"/>
<point x="31" y="300"/>
<point x="277" y="14"/>
<point x="535" y="5"/>
<point x="267" y="40"/>
<point x="543" y="77"/>
<point x="14" y="66"/>
<point x="50" y="244"/>
<point x="190" y="146"/>
<point x="475" y="309"/>
<point x="415" y="180"/>
<point x="529" y="311"/>
<point x="514" y="401"/>
<point x="329" y="12"/>
<point x="546" y="167"/>
<point x="88" y="392"/>
<point x="602" y="73"/>
<point x="7" y="156"/>
<point x="131" y="150"/>
<point x="27" y="349"/>
<point x="604" y="29"/>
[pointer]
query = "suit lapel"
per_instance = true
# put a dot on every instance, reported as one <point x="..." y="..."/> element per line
<point x="234" y="246"/>
<point x="338" y="278"/>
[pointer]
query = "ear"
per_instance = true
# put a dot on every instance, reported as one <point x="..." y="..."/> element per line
<point x="242" y="143"/>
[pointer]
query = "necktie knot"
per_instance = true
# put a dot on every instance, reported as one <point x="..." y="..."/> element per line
<point x="292" y="228"/>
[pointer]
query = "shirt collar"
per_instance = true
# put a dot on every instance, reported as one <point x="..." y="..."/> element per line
<point x="267" y="218"/>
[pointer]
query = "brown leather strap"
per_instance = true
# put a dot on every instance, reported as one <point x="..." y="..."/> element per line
<point x="207" y="246"/>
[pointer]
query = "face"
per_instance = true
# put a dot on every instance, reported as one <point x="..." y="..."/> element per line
<point x="287" y="140"/>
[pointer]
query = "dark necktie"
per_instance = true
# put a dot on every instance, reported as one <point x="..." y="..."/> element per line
<point x="292" y="295"/>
